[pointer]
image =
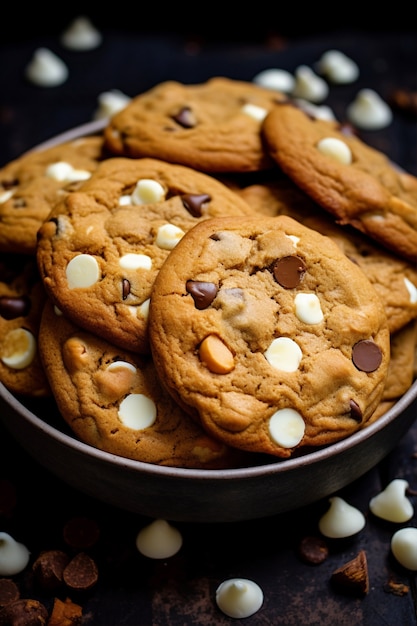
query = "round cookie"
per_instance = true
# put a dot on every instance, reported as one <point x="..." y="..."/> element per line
<point x="268" y="334"/>
<point x="212" y="126"/>
<point x="393" y="278"/>
<point x="22" y="297"/>
<point x="31" y="185"/>
<point x="112" y="400"/>
<point x="354" y="182"/>
<point x="101" y="248"/>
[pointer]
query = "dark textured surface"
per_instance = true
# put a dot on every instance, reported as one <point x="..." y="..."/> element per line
<point x="133" y="590"/>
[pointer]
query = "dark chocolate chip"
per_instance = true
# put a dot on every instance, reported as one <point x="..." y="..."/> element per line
<point x="289" y="271"/>
<point x="81" y="573"/>
<point x="12" y="307"/>
<point x="9" y="591"/>
<point x="313" y="550"/>
<point x="48" y="569"/>
<point x="355" y="411"/>
<point x="185" y="118"/>
<point x="202" y="293"/>
<point x="193" y="202"/>
<point x="125" y="288"/>
<point x="366" y="355"/>
<point x="24" y="612"/>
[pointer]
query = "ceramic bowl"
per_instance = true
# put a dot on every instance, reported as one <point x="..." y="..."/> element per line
<point x="270" y="488"/>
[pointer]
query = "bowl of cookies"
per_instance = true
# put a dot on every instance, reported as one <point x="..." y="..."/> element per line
<point x="205" y="334"/>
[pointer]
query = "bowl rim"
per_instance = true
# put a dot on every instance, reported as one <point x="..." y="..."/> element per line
<point x="246" y="472"/>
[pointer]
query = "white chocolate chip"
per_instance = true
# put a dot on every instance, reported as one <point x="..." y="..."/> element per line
<point x="284" y="354"/>
<point x="286" y="428"/>
<point x="239" y="597"/>
<point x="116" y="365"/>
<point x="14" y="556"/>
<point x="294" y="239"/>
<point x="125" y="200"/>
<point x="81" y="35"/>
<point x="18" y="348"/>
<point x="46" y="69"/>
<point x="147" y="191"/>
<point x="392" y="504"/>
<point x="404" y="547"/>
<point x="82" y="271"/>
<point x="308" y="308"/>
<point x="369" y="111"/>
<point x="256" y="112"/>
<point x="337" y="67"/>
<point x="168" y="236"/>
<point x="412" y="290"/>
<point x="110" y="103"/>
<point x="309" y="86"/>
<point x="159" y="540"/>
<point x="319" y="112"/>
<point x="275" y="79"/>
<point x="335" y="149"/>
<point x="135" y="261"/>
<point x="64" y="172"/>
<point x="143" y="309"/>
<point x="137" y="411"/>
<point x="341" y="520"/>
<point x="6" y="195"/>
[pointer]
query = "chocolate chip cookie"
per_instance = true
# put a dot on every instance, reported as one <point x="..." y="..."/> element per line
<point x="212" y="126"/>
<point x="112" y="400"/>
<point x="268" y="334"/>
<point x="31" y="185"/>
<point x="101" y="247"/>
<point x="357" y="184"/>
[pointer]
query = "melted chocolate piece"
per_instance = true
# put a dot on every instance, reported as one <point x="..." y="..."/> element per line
<point x="366" y="355"/>
<point x="289" y="271"/>
<point x="194" y="202"/>
<point x="185" y="118"/>
<point x="355" y="411"/>
<point x="125" y="288"/>
<point x="202" y="293"/>
<point x="12" y="307"/>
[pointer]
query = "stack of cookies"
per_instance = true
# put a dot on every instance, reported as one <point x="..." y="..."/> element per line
<point x="215" y="276"/>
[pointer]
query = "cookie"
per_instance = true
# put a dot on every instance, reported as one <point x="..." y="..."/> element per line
<point x="22" y="297"/>
<point x="354" y="182"/>
<point x="212" y="126"/>
<point x="401" y="368"/>
<point x="268" y="334"/>
<point x="112" y="400"/>
<point x="31" y="184"/>
<point x="393" y="278"/>
<point x="102" y="246"/>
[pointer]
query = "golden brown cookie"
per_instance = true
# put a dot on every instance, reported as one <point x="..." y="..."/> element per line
<point x="112" y="400"/>
<point x="212" y="126"/>
<point x="268" y="334"/>
<point x="101" y="247"/>
<point x="393" y="278"/>
<point x="33" y="183"/>
<point x="22" y="297"/>
<point x="357" y="184"/>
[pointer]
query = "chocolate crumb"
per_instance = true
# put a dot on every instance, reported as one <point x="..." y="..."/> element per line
<point x="398" y="589"/>
<point x="352" y="577"/>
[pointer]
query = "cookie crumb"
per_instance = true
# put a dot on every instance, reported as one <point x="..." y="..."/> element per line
<point x="65" y="613"/>
<point x="398" y="589"/>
